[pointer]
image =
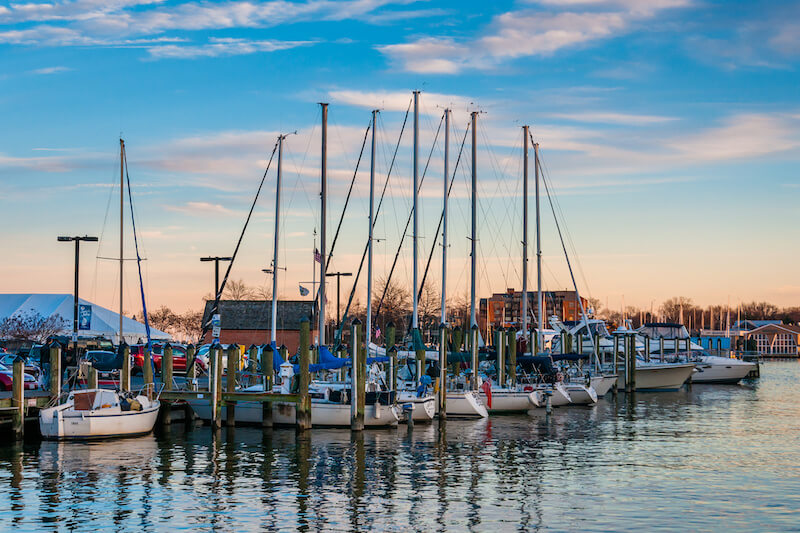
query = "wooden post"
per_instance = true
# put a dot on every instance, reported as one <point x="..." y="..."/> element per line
<point x="191" y="364"/>
<point x="284" y="351"/>
<point x="147" y="370"/>
<point x="579" y="338"/>
<point x="630" y="363"/>
<point x="214" y="383"/>
<point x="563" y="342"/>
<point x="420" y="362"/>
<point x="303" y="411"/>
<point x="391" y="335"/>
<point x="661" y="348"/>
<point x="535" y="348"/>
<point x="18" y="395"/>
<point x="125" y="372"/>
<point x="55" y="369"/>
<point x="356" y="417"/>
<point x="501" y="356"/>
<point x="458" y="339"/>
<point x="473" y="346"/>
<point x="233" y="367"/>
<point x="267" y="358"/>
<point x="167" y="366"/>
<point x="512" y="357"/>
<point x="91" y="382"/>
<point x="647" y="348"/>
<point x="393" y="377"/>
<point x="442" y="371"/>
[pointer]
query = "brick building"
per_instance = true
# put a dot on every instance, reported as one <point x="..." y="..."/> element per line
<point x="505" y="309"/>
<point x="249" y="321"/>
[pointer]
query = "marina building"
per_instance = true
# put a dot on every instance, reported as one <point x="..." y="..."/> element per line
<point x="505" y="309"/>
<point x="779" y="340"/>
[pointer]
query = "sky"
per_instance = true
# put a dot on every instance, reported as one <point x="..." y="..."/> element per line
<point x="669" y="134"/>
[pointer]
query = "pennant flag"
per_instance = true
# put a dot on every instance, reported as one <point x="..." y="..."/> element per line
<point x="303" y="291"/>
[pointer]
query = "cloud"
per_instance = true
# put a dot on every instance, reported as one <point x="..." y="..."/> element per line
<point x="525" y="33"/>
<point x="434" y="103"/>
<point x="613" y="118"/>
<point x="50" y="70"/>
<point x="200" y="209"/>
<point x="221" y="47"/>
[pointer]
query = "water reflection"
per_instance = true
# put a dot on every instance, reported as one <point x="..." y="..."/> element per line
<point x="641" y="461"/>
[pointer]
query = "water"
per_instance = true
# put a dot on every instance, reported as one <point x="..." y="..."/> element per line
<point x="710" y="458"/>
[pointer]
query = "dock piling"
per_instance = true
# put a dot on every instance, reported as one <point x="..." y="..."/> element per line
<point x="147" y="370"/>
<point x="92" y="378"/>
<point x="501" y="356"/>
<point x="252" y="364"/>
<point x="303" y="410"/>
<point x="267" y="358"/>
<point x="214" y="383"/>
<point x="233" y="367"/>
<point x="55" y="369"/>
<point x="511" y="338"/>
<point x="356" y="414"/>
<point x="125" y="372"/>
<point x="167" y="367"/>
<point x="18" y="393"/>
<point x="191" y="365"/>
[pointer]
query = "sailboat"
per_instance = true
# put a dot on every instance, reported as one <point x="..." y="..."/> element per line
<point x="100" y="413"/>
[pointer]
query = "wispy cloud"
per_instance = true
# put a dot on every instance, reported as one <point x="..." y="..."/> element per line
<point x="221" y="47"/>
<point x="200" y="209"/>
<point x="50" y="70"/>
<point x="526" y="32"/>
<point x="434" y="103"/>
<point x="613" y="118"/>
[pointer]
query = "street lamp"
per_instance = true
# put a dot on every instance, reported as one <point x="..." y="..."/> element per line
<point x="216" y="260"/>
<point x="77" y="240"/>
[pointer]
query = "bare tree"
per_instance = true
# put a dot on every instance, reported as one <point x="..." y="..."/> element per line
<point x="237" y="290"/>
<point x="31" y="325"/>
<point x="759" y="311"/>
<point x="262" y="292"/>
<point x="672" y="309"/>
<point x="396" y="304"/>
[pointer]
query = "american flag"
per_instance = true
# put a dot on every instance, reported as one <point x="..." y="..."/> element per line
<point x="317" y="256"/>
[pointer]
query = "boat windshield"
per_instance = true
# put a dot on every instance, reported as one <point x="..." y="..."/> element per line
<point x="664" y="331"/>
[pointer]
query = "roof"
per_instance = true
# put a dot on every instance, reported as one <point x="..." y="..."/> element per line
<point x="752" y="324"/>
<point x="104" y="322"/>
<point x="788" y="328"/>
<point x="257" y="314"/>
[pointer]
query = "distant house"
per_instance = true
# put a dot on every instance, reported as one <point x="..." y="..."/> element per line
<point x="250" y="321"/>
<point x="776" y="339"/>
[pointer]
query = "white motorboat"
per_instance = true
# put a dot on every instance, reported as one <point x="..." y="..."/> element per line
<point x="653" y="376"/>
<point x="603" y="383"/>
<point x="581" y="394"/>
<point x="715" y="369"/>
<point x="99" y="414"/>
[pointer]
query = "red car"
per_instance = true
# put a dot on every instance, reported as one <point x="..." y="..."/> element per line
<point x="178" y="358"/>
<point x="7" y="378"/>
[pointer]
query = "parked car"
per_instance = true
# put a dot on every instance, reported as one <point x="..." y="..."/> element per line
<point x="31" y="366"/>
<point x="178" y="358"/>
<point x="244" y="356"/>
<point x="7" y="379"/>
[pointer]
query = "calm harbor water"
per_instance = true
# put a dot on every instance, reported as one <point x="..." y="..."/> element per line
<point x="705" y="459"/>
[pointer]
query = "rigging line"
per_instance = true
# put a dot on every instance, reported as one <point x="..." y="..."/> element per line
<point x="408" y="222"/>
<point x="441" y="217"/>
<point x="569" y="265"/>
<point x="217" y="296"/>
<point x="138" y="258"/>
<point x="338" y="335"/>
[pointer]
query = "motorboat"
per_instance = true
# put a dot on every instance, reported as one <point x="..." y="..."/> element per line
<point x="656" y="377"/>
<point x="99" y="414"/>
<point x="715" y="369"/>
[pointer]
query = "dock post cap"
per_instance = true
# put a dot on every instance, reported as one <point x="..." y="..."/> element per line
<point x="356" y="322"/>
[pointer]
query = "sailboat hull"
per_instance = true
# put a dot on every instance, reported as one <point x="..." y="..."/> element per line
<point x="424" y="408"/>
<point x="465" y="404"/>
<point x="581" y="394"/>
<point x="510" y="401"/>
<point x="603" y="384"/>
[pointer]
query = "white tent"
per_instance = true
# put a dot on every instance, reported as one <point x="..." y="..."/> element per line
<point x="101" y="321"/>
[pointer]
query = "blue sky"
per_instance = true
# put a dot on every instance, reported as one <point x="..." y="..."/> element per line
<point x="670" y="131"/>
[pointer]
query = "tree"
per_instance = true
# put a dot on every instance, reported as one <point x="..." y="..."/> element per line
<point x="674" y="308"/>
<point x="396" y="304"/>
<point x="162" y="318"/>
<point x="33" y="326"/>
<point x="262" y="292"/>
<point x="759" y="311"/>
<point x="237" y="290"/>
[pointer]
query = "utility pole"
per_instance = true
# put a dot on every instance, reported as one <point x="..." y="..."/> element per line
<point x="216" y="260"/>
<point x="77" y="239"/>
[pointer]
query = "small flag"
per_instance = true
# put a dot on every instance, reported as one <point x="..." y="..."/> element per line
<point x="377" y="333"/>
<point x="317" y="256"/>
<point x="303" y="291"/>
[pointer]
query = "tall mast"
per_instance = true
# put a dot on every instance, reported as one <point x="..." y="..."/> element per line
<point x="323" y="198"/>
<point x="273" y="334"/>
<point x="415" y="302"/>
<point x="473" y="321"/>
<point x="444" y="213"/>
<point x="368" y="331"/>
<point x="121" y="226"/>
<point x="525" y="232"/>
<point x="540" y="307"/>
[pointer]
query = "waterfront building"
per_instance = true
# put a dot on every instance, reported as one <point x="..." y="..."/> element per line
<point x="505" y="309"/>
<point x="249" y="321"/>
<point x="776" y="340"/>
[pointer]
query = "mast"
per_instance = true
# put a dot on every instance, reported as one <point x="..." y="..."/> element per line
<point x="323" y="198"/>
<point x="540" y="307"/>
<point x="368" y="331"/>
<point x="273" y="334"/>
<point x="121" y="227"/>
<point x="525" y="233"/>
<point x="473" y="321"/>
<point x="415" y="301"/>
<point x="444" y="213"/>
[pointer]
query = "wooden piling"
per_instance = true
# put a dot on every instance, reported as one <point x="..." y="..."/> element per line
<point x="191" y="364"/>
<point x="267" y="371"/>
<point x="535" y="348"/>
<point x="167" y="366"/>
<point x="458" y="339"/>
<point x="512" y="356"/>
<point x="147" y="370"/>
<point x="356" y="415"/>
<point x="393" y="362"/>
<point x="630" y="364"/>
<point x="501" y="356"/>
<point x="125" y="372"/>
<point x="215" y="383"/>
<point x="442" y="371"/>
<point x="233" y="368"/>
<point x="563" y="342"/>
<point x="252" y="364"/>
<point x="91" y="382"/>
<point x="303" y="410"/>
<point x="647" y="348"/>
<point x="18" y="394"/>
<point x="55" y="369"/>
<point x="473" y="346"/>
<point x="391" y="335"/>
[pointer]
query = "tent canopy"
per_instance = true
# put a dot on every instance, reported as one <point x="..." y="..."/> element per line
<point x="104" y="322"/>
